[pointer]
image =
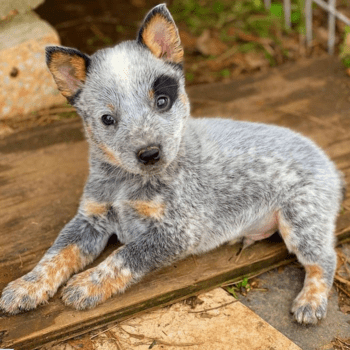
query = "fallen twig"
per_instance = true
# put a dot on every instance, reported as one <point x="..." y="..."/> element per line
<point x="346" y="229"/>
<point x="115" y="339"/>
<point x="213" y="308"/>
<point x="346" y="207"/>
<point x="54" y="111"/>
<point x="342" y="280"/>
<point x="344" y="344"/>
<point x="159" y="341"/>
<point x="260" y="289"/>
<point x="342" y="289"/>
<point x="86" y="20"/>
<point x="106" y="330"/>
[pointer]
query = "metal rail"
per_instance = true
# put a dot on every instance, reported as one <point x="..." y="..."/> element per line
<point x="333" y="14"/>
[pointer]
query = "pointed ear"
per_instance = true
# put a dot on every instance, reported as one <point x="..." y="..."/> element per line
<point x="159" y="33"/>
<point x="68" y="67"/>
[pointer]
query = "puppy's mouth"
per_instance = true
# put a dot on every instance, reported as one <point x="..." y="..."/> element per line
<point x="153" y="168"/>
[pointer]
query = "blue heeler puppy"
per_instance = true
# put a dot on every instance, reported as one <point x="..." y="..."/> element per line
<point x="168" y="185"/>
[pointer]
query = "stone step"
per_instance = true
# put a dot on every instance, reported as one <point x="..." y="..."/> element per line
<point x="17" y="6"/>
<point x="26" y="84"/>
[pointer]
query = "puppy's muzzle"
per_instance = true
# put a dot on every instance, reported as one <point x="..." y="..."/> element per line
<point x="149" y="155"/>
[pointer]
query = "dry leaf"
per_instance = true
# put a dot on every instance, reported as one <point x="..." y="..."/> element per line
<point x="345" y="309"/>
<point x="256" y="60"/>
<point x="188" y="41"/>
<point x="209" y="44"/>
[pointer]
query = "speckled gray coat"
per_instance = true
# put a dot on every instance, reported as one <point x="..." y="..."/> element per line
<point x="168" y="185"/>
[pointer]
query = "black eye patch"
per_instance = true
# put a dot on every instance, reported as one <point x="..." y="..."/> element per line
<point x="168" y="86"/>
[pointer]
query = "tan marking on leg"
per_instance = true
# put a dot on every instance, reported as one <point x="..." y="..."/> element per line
<point x="314" y="283"/>
<point x="314" y="271"/>
<point x="109" y="286"/>
<point x="149" y="209"/>
<point x="314" y="295"/>
<point x="42" y="282"/>
<point x="285" y="230"/>
<point x="283" y="226"/>
<point x="95" y="285"/>
<point x="68" y="261"/>
<point x="92" y="208"/>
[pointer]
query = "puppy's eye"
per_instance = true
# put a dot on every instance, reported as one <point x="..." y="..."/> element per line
<point x="107" y="119"/>
<point x="162" y="102"/>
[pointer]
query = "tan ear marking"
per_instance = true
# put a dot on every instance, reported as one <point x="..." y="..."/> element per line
<point x="162" y="38"/>
<point x="69" y="72"/>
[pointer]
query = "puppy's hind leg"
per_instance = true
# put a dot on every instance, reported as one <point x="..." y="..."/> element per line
<point x="310" y="236"/>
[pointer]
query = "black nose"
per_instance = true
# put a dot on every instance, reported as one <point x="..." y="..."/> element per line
<point x="149" y="155"/>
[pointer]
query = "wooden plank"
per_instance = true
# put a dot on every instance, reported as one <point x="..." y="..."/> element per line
<point x="195" y="274"/>
<point x="42" y="173"/>
<point x="30" y="225"/>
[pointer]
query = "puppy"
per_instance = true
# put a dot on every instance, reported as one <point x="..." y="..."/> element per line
<point x="168" y="185"/>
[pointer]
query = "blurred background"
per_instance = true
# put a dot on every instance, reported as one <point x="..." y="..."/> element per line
<point x="222" y="38"/>
<point x="243" y="60"/>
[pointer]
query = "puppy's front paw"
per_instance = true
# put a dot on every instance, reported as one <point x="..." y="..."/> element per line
<point x="26" y="293"/>
<point x="94" y="286"/>
<point x="309" y="308"/>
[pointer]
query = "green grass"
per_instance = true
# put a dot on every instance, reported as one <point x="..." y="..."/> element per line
<point x="248" y="16"/>
<point x="345" y="50"/>
<point x="225" y="73"/>
<point x="237" y="287"/>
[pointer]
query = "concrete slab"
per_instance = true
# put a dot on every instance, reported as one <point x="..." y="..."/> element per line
<point x="274" y="305"/>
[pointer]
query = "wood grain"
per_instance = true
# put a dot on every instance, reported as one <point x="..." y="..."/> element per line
<point x="35" y="211"/>
<point x="42" y="174"/>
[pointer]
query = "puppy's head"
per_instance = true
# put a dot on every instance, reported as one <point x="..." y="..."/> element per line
<point x="131" y="97"/>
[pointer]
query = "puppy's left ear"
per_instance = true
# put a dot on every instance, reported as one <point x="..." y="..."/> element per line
<point x="159" y="33"/>
<point x="69" y="68"/>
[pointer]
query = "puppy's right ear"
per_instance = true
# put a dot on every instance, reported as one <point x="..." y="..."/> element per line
<point x="69" y="68"/>
<point x="160" y="34"/>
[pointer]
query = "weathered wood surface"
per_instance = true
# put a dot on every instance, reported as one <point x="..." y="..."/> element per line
<point x="42" y="173"/>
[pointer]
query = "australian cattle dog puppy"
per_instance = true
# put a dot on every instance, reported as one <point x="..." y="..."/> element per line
<point x="169" y="185"/>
